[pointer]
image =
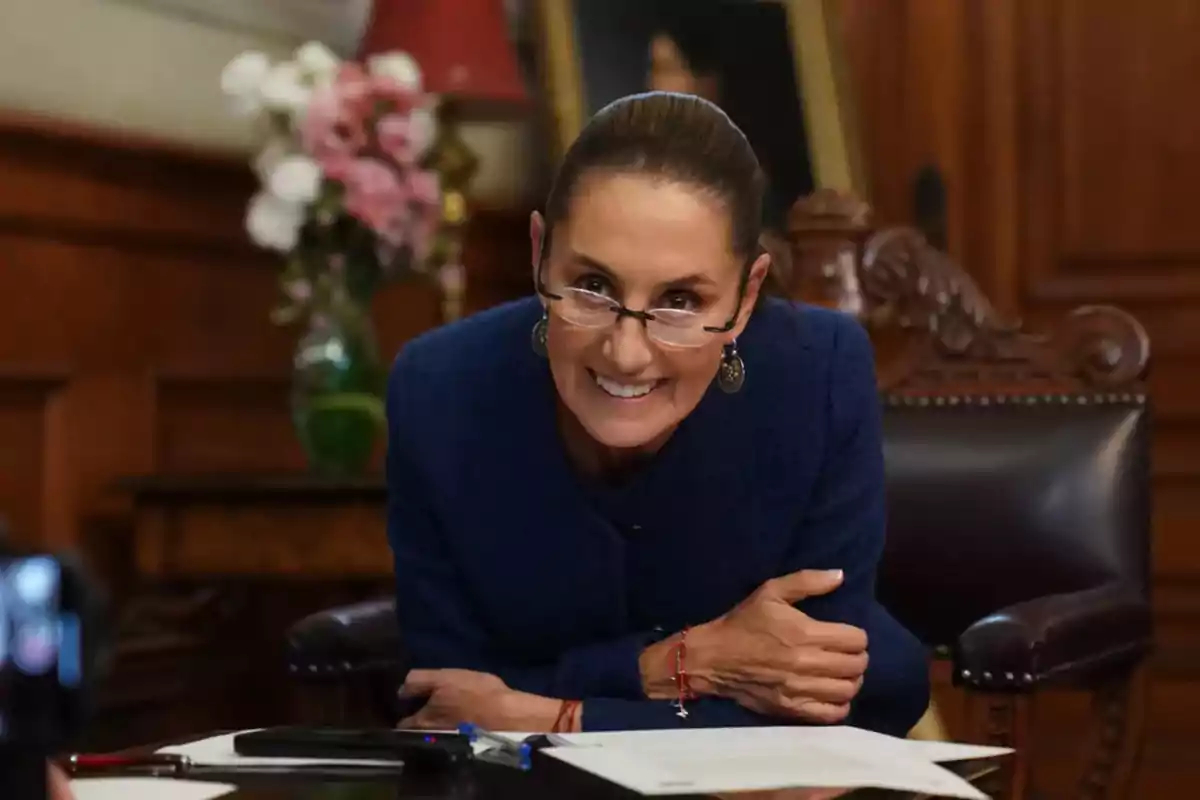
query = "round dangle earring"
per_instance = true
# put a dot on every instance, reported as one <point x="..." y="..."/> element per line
<point x="537" y="337"/>
<point x="731" y="375"/>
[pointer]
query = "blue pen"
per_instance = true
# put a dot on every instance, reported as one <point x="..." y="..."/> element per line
<point x="511" y="754"/>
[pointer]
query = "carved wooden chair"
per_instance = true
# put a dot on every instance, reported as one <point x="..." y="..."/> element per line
<point x="1019" y="486"/>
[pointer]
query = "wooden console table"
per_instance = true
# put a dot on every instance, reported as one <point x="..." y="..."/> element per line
<point x="222" y="564"/>
<point x="295" y="527"/>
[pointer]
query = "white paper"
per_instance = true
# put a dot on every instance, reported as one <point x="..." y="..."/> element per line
<point x="841" y="737"/>
<point x="711" y="772"/>
<point x="937" y="752"/>
<point x="699" y="760"/>
<point x="146" y="789"/>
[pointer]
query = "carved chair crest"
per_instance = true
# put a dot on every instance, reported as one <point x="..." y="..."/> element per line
<point x="954" y="340"/>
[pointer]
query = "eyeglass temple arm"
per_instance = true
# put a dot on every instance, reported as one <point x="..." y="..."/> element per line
<point x="743" y="284"/>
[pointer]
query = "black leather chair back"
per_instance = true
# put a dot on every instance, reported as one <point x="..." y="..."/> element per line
<point x="991" y="503"/>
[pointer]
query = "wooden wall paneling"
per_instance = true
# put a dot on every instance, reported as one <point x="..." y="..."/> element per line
<point x="498" y="257"/>
<point x="223" y="423"/>
<point x="1112" y="155"/>
<point x="87" y="220"/>
<point x="32" y="482"/>
<point x="125" y="259"/>
<point x="936" y="85"/>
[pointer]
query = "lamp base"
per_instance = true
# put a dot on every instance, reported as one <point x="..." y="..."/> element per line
<point x="455" y="164"/>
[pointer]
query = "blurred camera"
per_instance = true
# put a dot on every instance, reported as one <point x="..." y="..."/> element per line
<point x="46" y="662"/>
<point x="41" y="652"/>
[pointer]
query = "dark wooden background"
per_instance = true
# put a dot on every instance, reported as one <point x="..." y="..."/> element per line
<point x="133" y="313"/>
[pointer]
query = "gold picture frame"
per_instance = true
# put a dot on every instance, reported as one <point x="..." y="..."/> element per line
<point x="827" y="108"/>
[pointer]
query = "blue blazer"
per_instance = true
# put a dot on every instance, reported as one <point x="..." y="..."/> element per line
<point x="507" y="562"/>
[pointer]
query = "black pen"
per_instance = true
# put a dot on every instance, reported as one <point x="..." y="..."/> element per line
<point x="180" y="766"/>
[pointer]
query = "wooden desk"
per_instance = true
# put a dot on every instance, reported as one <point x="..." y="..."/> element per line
<point x="222" y="565"/>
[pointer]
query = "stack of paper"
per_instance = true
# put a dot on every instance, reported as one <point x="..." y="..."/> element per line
<point x="146" y="789"/>
<point x="710" y="761"/>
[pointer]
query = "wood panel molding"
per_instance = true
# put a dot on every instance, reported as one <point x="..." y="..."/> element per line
<point x="1104" y="192"/>
<point x="92" y="188"/>
<point x="212" y="423"/>
<point x="33" y="449"/>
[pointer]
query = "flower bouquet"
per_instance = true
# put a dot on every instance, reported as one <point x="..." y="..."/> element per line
<point x="345" y="200"/>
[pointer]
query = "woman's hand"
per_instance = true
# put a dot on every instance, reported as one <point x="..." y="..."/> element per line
<point x="771" y="658"/>
<point x="58" y="786"/>
<point x="459" y="695"/>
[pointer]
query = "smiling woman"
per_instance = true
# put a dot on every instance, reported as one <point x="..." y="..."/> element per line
<point x="668" y="510"/>
<point x="641" y="320"/>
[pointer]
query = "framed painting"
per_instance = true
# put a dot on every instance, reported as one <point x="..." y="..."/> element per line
<point x="775" y="66"/>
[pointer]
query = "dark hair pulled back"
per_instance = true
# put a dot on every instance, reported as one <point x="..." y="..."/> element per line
<point x="677" y="137"/>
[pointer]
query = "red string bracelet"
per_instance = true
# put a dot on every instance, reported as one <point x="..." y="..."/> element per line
<point x="565" y="721"/>
<point x="682" y="683"/>
<point x="573" y="715"/>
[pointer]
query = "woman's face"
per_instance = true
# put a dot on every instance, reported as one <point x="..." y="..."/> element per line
<point x="648" y="244"/>
<point x="670" y="72"/>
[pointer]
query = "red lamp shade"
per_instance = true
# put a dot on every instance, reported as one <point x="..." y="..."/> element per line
<point x="462" y="46"/>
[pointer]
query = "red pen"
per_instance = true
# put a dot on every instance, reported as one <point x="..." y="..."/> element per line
<point x="77" y="763"/>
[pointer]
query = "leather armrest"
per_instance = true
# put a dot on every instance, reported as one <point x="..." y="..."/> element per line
<point x="1060" y="639"/>
<point x="358" y="638"/>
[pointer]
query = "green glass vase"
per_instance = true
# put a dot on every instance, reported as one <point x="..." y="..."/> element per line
<point x="337" y="391"/>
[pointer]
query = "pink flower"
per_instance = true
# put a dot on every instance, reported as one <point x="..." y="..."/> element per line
<point x="329" y="130"/>
<point x="336" y="166"/>
<point x="394" y="132"/>
<point x="424" y="187"/>
<point x="335" y="123"/>
<point x="396" y="97"/>
<point x="374" y="195"/>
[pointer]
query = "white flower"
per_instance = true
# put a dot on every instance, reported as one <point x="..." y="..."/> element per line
<point x="295" y="179"/>
<point x="318" y="62"/>
<point x="273" y="223"/>
<point x="400" y="67"/>
<point x="275" y="150"/>
<point x="284" y="89"/>
<point x="422" y="128"/>
<point x="242" y="80"/>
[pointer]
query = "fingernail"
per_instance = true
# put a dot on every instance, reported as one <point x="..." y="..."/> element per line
<point x="836" y="574"/>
